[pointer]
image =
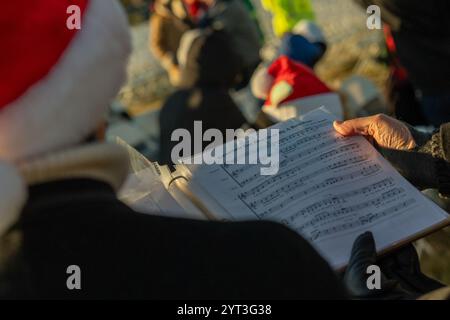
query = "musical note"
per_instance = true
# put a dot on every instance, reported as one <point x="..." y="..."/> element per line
<point x="289" y="188"/>
<point x="361" y="221"/>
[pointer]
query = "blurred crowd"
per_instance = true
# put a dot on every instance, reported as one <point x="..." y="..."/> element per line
<point x="416" y="92"/>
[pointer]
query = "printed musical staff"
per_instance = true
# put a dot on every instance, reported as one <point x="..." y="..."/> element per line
<point x="391" y="194"/>
<point x="292" y="187"/>
<point x="341" y="198"/>
<point x="361" y="221"/>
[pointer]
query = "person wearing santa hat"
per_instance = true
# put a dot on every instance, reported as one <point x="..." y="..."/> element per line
<point x="58" y="207"/>
<point x="291" y="89"/>
<point x="56" y="84"/>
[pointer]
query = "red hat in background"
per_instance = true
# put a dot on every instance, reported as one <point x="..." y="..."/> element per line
<point x="292" y="89"/>
<point x="291" y="81"/>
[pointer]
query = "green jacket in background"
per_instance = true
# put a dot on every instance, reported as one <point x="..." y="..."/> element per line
<point x="287" y="13"/>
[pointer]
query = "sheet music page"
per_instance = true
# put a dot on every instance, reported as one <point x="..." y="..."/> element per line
<point x="328" y="188"/>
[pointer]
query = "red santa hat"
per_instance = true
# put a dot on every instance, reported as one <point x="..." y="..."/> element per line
<point x="56" y="83"/>
<point x="292" y="89"/>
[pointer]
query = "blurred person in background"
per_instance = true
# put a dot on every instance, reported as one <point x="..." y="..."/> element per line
<point x="209" y="69"/>
<point x="253" y="12"/>
<point x="233" y="17"/>
<point x="289" y="80"/>
<point x="400" y="92"/>
<point x="168" y="23"/>
<point x="421" y="41"/>
<point x="287" y="13"/>
<point x="288" y="83"/>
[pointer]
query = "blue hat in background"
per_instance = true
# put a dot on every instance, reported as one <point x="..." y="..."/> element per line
<point x="305" y="44"/>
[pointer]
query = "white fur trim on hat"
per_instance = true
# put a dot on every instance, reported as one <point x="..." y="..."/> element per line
<point x="310" y="31"/>
<point x="261" y="83"/>
<point x="71" y="101"/>
<point x="12" y="196"/>
<point x="299" y="107"/>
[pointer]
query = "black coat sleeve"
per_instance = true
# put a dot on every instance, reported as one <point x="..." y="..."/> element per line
<point x="211" y="260"/>
<point x="432" y="152"/>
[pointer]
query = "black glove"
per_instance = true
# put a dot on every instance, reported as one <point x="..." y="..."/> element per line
<point x="400" y="277"/>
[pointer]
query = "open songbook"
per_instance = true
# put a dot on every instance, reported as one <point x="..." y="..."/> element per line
<point x="328" y="188"/>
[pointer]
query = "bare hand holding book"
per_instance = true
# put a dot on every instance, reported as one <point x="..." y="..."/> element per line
<point x="328" y="188"/>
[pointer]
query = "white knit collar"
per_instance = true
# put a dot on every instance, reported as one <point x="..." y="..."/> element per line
<point x="100" y="161"/>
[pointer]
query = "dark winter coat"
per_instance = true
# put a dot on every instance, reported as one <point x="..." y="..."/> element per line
<point x="123" y="254"/>
<point x="234" y="18"/>
<point x="421" y="30"/>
